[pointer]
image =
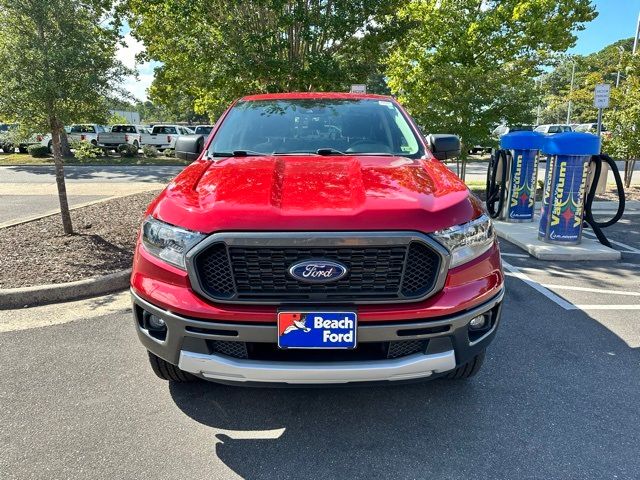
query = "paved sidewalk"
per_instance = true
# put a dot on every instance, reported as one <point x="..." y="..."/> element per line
<point x="16" y="207"/>
<point x="28" y="192"/>
<point x="477" y="172"/>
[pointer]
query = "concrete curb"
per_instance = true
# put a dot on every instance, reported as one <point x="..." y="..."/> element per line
<point x="525" y="236"/>
<point x="11" y="298"/>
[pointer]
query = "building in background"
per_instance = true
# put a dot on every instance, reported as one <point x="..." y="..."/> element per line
<point x="132" y="117"/>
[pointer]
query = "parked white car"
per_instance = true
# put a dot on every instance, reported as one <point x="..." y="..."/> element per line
<point x="119" y="134"/>
<point x="85" y="133"/>
<point x="11" y="138"/>
<point x="593" y="128"/>
<point x="553" y="128"/>
<point x="164" y="136"/>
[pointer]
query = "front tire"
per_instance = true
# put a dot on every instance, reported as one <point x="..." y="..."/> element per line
<point x="168" y="371"/>
<point x="467" y="370"/>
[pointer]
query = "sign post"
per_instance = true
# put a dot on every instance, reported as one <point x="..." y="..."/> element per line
<point x="601" y="96"/>
<point x="358" y="88"/>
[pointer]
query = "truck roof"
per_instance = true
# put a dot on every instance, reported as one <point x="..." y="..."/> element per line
<point x="316" y="95"/>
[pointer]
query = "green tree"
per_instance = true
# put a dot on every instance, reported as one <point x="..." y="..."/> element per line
<point x="213" y="51"/>
<point x="598" y="67"/>
<point x="59" y="67"/>
<point x="623" y="118"/>
<point x="468" y="65"/>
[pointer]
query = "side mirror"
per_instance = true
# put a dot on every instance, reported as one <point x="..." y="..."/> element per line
<point x="189" y="147"/>
<point x="444" y="146"/>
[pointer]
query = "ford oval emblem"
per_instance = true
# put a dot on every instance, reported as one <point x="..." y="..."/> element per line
<point x="318" y="271"/>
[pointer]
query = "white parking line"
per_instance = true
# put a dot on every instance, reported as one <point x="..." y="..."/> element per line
<point x="516" y="255"/>
<point x="608" y="307"/>
<point x="515" y="272"/>
<point x="594" y="290"/>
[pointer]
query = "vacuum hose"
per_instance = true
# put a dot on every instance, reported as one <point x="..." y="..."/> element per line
<point x="496" y="192"/>
<point x="588" y="214"/>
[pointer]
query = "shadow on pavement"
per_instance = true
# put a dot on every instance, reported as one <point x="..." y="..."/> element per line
<point x="135" y="173"/>
<point x="552" y="401"/>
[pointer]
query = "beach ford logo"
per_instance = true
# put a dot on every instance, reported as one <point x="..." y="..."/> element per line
<point x="318" y="271"/>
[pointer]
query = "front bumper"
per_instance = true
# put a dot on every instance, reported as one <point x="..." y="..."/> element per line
<point x="220" y="367"/>
<point x="448" y="344"/>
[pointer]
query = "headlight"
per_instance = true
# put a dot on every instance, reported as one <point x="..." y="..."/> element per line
<point x="468" y="241"/>
<point x="167" y="242"/>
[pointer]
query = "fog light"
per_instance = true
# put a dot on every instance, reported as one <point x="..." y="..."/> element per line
<point x="156" y="322"/>
<point x="478" y="322"/>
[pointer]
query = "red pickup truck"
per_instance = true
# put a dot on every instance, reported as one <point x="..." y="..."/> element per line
<point x="316" y="239"/>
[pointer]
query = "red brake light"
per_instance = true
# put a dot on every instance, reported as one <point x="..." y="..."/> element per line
<point x="168" y="138"/>
<point x="126" y="138"/>
<point x="83" y="137"/>
<point x="39" y="138"/>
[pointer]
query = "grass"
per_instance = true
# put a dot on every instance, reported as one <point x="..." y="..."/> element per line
<point x="26" y="159"/>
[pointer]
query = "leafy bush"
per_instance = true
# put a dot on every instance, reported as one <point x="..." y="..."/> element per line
<point x="85" y="150"/>
<point x="149" y="151"/>
<point x="169" y="152"/>
<point x="38" y="151"/>
<point x="127" y="150"/>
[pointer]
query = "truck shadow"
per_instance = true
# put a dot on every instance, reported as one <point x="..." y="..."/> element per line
<point x="106" y="173"/>
<point x="552" y="401"/>
<point x="352" y="432"/>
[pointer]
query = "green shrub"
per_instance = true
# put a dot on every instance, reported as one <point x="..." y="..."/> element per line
<point x="127" y="150"/>
<point x="149" y="151"/>
<point x="38" y="151"/>
<point x="169" y="152"/>
<point x="85" y="150"/>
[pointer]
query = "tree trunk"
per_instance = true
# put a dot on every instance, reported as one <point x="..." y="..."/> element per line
<point x="629" y="166"/>
<point x="64" y="144"/>
<point x="62" y="189"/>
<point x="463" y="165"/>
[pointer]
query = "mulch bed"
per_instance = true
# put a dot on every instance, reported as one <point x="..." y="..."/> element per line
<point x="37" y="252"/>
<point x="631" y="193"/>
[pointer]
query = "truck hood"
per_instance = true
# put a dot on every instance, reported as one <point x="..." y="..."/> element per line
<point x="310" y="192"/>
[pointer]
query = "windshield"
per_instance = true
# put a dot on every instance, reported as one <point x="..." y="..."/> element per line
<point x="83" y="129"/>
<point x="306" y="126"/>
<point x="123" y="129"/>
<point x="203" y="130"/>
<point x="164" y="129"/>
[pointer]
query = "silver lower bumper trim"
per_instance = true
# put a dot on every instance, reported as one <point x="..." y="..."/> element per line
<point x="218" y="367"/>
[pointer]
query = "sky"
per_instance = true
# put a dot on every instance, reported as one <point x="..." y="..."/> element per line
<point x="616" y="20"/>
<point x="127" y="55"/>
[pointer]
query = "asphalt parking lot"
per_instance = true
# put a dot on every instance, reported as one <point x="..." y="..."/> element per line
<point x="557" y="397"/>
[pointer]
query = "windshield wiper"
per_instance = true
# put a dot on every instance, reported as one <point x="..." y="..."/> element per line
<point x="329" y="151"/>
<point x="237" y="153"/>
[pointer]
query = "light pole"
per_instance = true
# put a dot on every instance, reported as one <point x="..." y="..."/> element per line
<point x="573" y="73"/>
<point x="635" y="41"/>
<point x="538" y="83"/>
<point x="621" y="49"/>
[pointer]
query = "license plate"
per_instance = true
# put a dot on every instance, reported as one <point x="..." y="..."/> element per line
<point x="317" y="329"/>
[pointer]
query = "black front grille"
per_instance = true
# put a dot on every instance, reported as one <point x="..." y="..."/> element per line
<point x="364" y="351"/>
<point x="261" y="274"/>
<point x="406" y="347"/>
<point x="421" y="271"/>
